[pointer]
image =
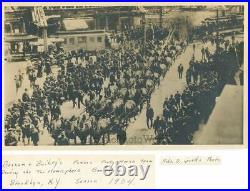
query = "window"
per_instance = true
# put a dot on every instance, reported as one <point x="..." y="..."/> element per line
<point x="92" y="39"/>
<point x="8" y="28"/>
<point x="99" y="39"/>
<point x="16" y="30"/>
<point x="82" y="39"/>
<point x="72" y="41"/>
<point x="65" y="41"/>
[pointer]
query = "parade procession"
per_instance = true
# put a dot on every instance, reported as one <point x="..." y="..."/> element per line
<point x="122" y="75"/>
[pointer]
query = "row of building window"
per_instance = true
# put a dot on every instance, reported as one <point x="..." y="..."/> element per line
<point x="82" y="39"/>
<point x="14" y="28"/>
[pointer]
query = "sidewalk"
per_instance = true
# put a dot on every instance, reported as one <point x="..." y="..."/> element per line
<point x="137" y="132"/>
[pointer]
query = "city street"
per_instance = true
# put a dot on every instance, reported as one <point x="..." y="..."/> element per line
<point x="125" y="95"/>
<point x="138" y="133"/>
<point x="94" y="83"/>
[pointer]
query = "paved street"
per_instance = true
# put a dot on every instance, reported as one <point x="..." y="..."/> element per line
<point x="137" y="132"/>
<point x="176" y="20"/>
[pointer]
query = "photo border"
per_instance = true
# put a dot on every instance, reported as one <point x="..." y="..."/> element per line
<point x="140" y="147"/>
<point x="189" y="147"/>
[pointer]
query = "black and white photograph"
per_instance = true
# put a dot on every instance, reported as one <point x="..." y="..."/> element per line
<point x="124" y="75"/>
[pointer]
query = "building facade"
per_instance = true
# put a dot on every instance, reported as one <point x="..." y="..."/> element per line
<point x="85" y="40"/>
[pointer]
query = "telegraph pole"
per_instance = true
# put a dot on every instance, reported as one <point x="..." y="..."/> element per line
<point x="161" y="16"/>
<point x="217" y="30"/>
<point x="145" y="28"/>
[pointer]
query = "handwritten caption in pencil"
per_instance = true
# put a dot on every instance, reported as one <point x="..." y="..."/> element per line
<point x="191" y="160"/>
<point x="77" y="172"/>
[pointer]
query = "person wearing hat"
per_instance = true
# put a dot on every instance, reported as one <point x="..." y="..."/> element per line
<point x="34" y="135"/>
<point x="46" y="120"/>
<point x="194" y="47"/>
<point x="25" y="97"/>
<point x="17" y="82"/>
<point x="10" y="138"/>
<point x="188" y="76"/>
<point x="35" y="120"/>
<point x="156" y="125"/>
<point x="56" y="111"/>
<point x="180" y="70"/>
<point x="177" y="99"/>
<point x="163" y="124"/>
<point x="166" y="103"/>
<point x="80" y="96"/>
<point x="121" y="136"/>
<point x="62" y="139"/>
<point x="47" y="67"/>
<point x="149" y="116"/>
<point x="20" y="76"/>
<point x="166" y="113"/>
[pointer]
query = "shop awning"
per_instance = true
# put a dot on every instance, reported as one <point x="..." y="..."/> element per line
<point x="53" y="17"/>
<point x="20" y="38"/>
<point x="55" y="39"/>
<point x="50" y="41"/>
<point x="75" y="24"/>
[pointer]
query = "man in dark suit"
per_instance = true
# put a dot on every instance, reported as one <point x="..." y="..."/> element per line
<point x="180" y="70"/>
<point x="149" y="116"/>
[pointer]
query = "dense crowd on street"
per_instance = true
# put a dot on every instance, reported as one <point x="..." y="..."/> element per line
<point x="183" y="112"/>
<point x="137" y="34"/>
<point x="110" y="86"/>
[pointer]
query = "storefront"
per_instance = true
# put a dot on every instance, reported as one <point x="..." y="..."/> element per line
<point x="18" y="46"/>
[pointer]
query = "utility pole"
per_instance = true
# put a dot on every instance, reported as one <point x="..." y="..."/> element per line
<point x="45" y="38"/>
<point x="106" y="22"/>
<point x="161" y="16"/>
<point x="145" y="28"/>
<point x="217" y="30"/>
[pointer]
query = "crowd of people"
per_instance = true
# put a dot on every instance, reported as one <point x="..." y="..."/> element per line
<point x="209" y="26"/>
<point x="112" y="87"/>
<point x="183" y="112"/>
<point x="137" y="34"/>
